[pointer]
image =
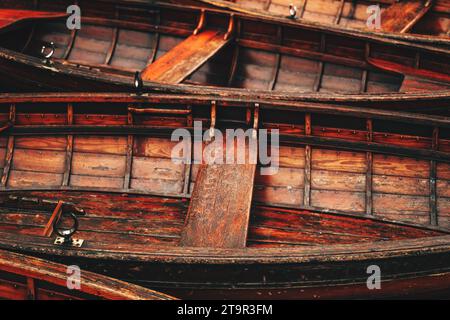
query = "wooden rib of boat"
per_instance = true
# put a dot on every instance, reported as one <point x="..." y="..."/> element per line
<point x="24" y="277"/>
<point x="212" y="48"/>
<point x="424" y="17"/>
<point x="355" y="187"/>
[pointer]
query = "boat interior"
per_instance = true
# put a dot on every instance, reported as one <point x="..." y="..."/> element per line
<point x="170" y="43"/>
<point x="342" y="179"/>
<point x="416" y="17"/>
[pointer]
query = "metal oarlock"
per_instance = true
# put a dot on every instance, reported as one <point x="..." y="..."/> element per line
<point x="48" y="52"/>
<point x="66" y="233"/>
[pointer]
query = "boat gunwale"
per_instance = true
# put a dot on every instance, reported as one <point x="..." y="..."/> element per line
<point x="149" y="87"/>
<point x="198" y="255"/>
<point x="93" y="284"/>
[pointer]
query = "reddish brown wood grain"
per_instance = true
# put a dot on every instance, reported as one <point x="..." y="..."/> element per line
<point x="92" y="285"/>
<point x="185" y="58"/>
<point x="9" y="17"/>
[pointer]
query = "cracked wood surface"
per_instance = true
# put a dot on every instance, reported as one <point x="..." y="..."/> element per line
<point x="218" y="215"/>
<point x="402" y="16"/>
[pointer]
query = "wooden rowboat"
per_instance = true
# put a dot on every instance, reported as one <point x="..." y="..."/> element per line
<point x="430" y="18"/>
<point x="172" y="44"/>
<point x="356" y="187"/>
<point x="27" y="278"/>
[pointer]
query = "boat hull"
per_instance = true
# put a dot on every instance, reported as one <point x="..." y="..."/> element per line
<point x="427" y="275"/>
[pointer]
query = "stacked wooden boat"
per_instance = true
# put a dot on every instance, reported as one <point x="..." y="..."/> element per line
<point x="89" y="178"/>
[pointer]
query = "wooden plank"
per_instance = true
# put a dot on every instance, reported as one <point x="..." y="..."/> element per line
<point x="369" y="169"/>
<point x="23" y="179"/>
<point x="9" y="17"/>
<point x="129" y="159"/>
<point x="48" y="230"/>
<point x="177" y="64"/>
<point x="401" y="16"/>
<point x="410" y="71"/>
<point x="9" y="148"/>
<point x="31" y="289"/>
<point x="219" y="210"/>
<point x="69" y="148"/>
<point x="308" y="155"/>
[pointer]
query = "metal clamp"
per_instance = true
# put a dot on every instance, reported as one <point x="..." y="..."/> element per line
<point x="47" y="55"/>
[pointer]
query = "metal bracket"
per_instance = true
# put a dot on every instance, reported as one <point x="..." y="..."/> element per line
<point x="201" y="22"/>
<point x="61" y="241"/>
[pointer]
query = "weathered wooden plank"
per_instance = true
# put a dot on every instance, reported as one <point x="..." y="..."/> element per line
<point x="274" y="195"/>
<point x="338" y="200"/>
<point x="401" y="185"/>
<point x="102" y="165"/>
<point x="400" y="204"/>
<point x="129" y="159"/>
<point x="338" y="181"/>
<point x="402" y="15"/>
<point x="369" y="169"/>
<point x="96" y="182"/>
<point x="308" y="164"/>
<point x="333" y="160"/>
<point x="177" y="64"/>
<point x="101" y="144"/>
<point x="399" y="166"/>
<point x="38" y="161"/>
<point x="55" y="143"/>
<point x="69" y="148"/>
<point x="48" y="230"/>
<point x="219" y="210"/>
<point x="20" y="179"/>
<point x="9" y="148"/>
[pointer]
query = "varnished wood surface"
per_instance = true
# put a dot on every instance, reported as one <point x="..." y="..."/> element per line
<point x="42" y="272"/>
<point x="102" y="156"/>
<point x="185" y="58"/>
<point x="401" y="17"/>
<point x="10" y="17"/>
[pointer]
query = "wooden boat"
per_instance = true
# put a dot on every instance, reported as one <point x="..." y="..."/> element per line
<point x="420" y="17"/>
<point x="27" y="278"/>
<point x="356" y="187"/>
<point x="192" y="45"/>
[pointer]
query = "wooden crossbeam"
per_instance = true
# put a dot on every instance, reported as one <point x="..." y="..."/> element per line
<point x="409" y="71"/>
<point x="403" y="15"/>
<point x="219" y="211"/>
<point x="180" y="62"/>
<point x="10" y="17"/>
